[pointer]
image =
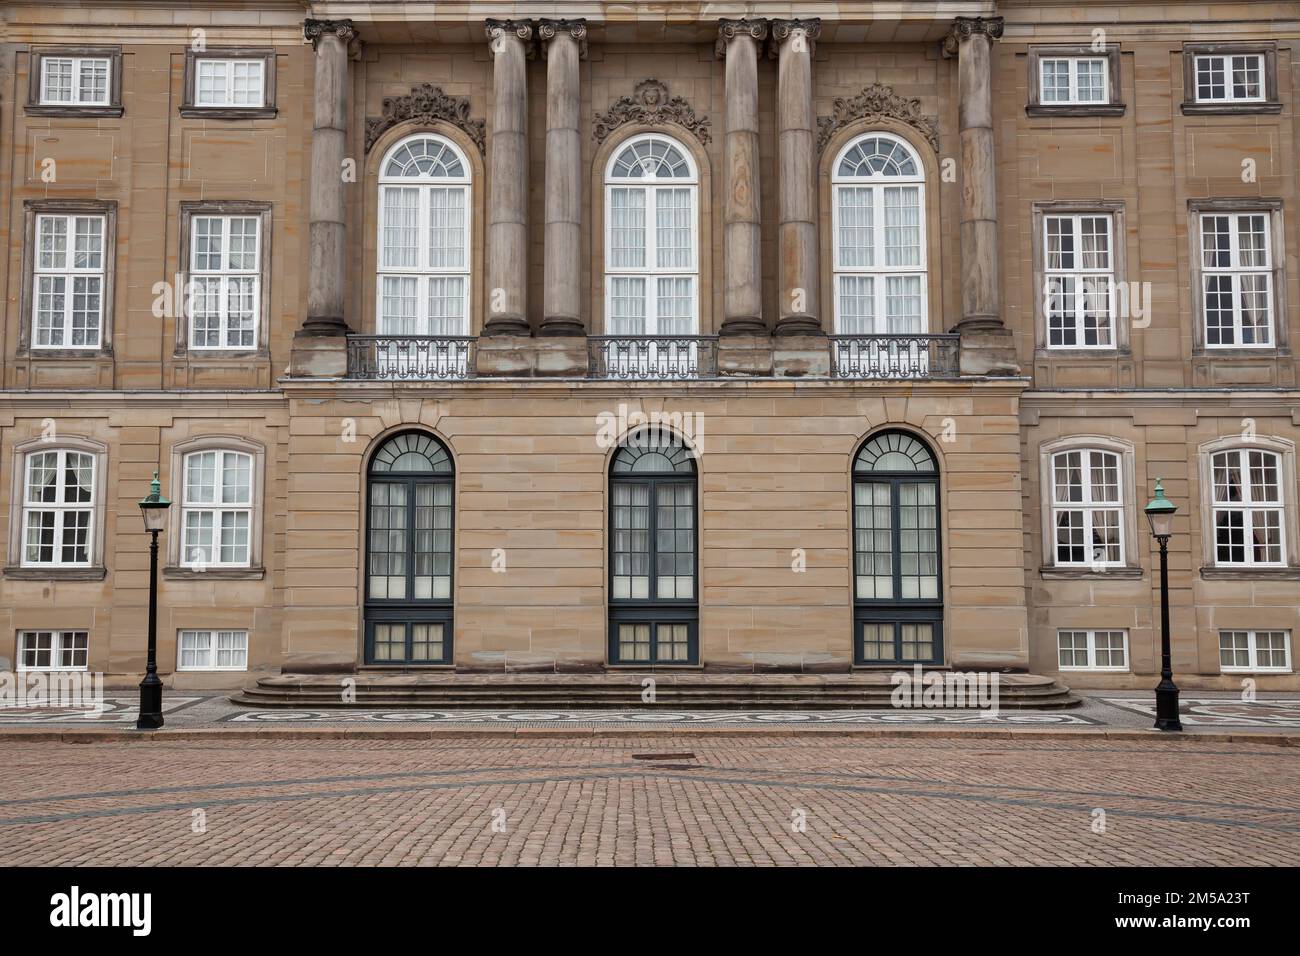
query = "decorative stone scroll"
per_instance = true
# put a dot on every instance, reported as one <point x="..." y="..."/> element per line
<point x="313" y="30"/>
<point x="877" y="102"/>
<point x="424" y="104"/>
<point x="650" y="104"/>
<point x="548" y="29"/>
<point x="965" y="27"/>
<point x="728" y="30"/>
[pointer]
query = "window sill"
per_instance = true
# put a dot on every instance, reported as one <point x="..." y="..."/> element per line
<point x="1075" y="109"/>
<point x="73" y="111"/>
<point x="97" y="353"/>
<point x="1250" y="574"/>
<point x="228" y="112"/>
<point x="1048" y="352"/>
<point x="1070" y="574"/>
<point x="216" y="574"/>
<point x="55" y="574"/>
<point x="1230" y="109"/>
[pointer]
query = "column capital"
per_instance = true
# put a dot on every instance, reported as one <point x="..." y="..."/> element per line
<point x="963" y="28"/>
<point x="523" y="30"/>
<point x="314" y="30"/>
<point x="548" y="30"/>
<point x="784" y="30"/>
<point x="728" y="30"/>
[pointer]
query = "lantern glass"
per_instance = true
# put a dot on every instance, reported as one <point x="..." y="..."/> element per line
<point x="1162" y="523"/>
<point x="155" y="515"/>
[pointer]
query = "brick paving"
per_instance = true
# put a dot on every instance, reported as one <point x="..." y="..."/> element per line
<point x="563" y="801"/>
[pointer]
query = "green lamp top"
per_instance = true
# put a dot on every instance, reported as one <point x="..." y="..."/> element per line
<point x="1160" y="504"/>
<point x="155" y="498"/>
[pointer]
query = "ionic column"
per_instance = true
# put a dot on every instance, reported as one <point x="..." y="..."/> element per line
<point x="742" y="300"/>
<point x="327" y="235"/>
<point x="797" y="178"/>
<point x="564" y="44"/>
<point x="507" y="212"/>
<point x="971" y="40"/>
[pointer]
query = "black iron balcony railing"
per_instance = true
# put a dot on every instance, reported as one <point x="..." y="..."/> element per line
<point x="411" y="357"/>
<point x="895" y="356"/>
<point x="652" y="357"/>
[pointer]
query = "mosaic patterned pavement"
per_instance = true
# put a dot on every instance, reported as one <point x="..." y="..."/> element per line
<point x="721" y="718"/>
<point x="116" y="710"/>
<point x="1220" y="712"/>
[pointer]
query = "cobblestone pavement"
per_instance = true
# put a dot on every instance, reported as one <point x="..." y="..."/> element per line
<point x="706" y="800"/>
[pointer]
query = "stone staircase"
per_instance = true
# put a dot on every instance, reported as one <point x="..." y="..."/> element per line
<point x="624" y="689"/>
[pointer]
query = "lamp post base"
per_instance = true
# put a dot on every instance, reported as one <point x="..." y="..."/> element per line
<point x="1167" y="706"/>
<point x="151" y="717"/>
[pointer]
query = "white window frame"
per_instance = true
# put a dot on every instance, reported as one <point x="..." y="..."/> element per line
<point x="1252" y="651"/>
<point x="228" y="65"/>
<point x="226" y="278"/>
<point x="1227" y="67"/>
<point x="1073" y="92"/>
<point x="1082" y="277"/>
<point x="423" y="271"/>
<point x="60" y="641"/>
<point x="59" y="508"/>
<point x="211" y="638"/>
<point x="1235" y="270"/>
<point x="1091" y="638"/>
<point x="1248" y="507"/>
<point x="879" y="271"/>
<point x="650" y="272"/>
<point x="78" y="90"/>
<point x="217" y="508"/>
<point x="1088" y="505"/>
<point x="69" y="273"/>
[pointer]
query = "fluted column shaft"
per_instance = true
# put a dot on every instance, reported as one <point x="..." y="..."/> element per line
<point x="327" y="230"/>
<point x="971" y="41"/>
<point x="507" y="211"/>
<point x="565" y="42"/>
<point x="742" y="299"/>
<point x="799" y="305"/>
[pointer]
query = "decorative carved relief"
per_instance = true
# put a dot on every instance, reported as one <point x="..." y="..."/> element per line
<point x="548" y="29"/>
<point x="651" y="104"/>
<point x="424" y="104"/>
<point x="783" y="30"/>
<point x="963" y="28"/>
<point x="877" y="102"/>
<point x="498" y="29"/>
<point x="728" y="30"/>
<point x="313" y="30"/>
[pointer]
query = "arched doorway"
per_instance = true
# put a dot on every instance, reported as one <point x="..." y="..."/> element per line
<point x="897" y="580"/>
<point x="410" y="526"/>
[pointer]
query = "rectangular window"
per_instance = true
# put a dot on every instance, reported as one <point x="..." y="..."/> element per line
<point x="1073" y="80"/>
<point x="75" y="81"/>
<point x="212" y="651"/>
<point x="217" y="509"/>
<point x="53" y="650"/>
<point x="1087" y="510"/>
<point x="1248" y="508"/>
<point x="58" y="509"/>
<point x="225" y="281"/>
<point x="68" y="281"/>
<point x="1092" y="650"/>
<point x="1254" y="651"/>
<point x="237" y="84"/>
<point x="1079" y="275"/>
<point x="1229" y="78"/>
<point x="1237" y="279"/>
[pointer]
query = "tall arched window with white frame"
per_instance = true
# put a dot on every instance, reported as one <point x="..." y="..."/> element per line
<point x="651" y="239"/>
<point x="878" y="223"/>
<point x="423" y="285"/>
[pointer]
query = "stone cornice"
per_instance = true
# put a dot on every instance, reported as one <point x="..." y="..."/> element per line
<point x="314" y="30"/>
<point x="876" y="102"/>
<point x="650" y="104"/>
<point x="783" y="30"/>
<point x="963" y="28"/>
<point x="547" y="30"/>
<point x="425" y="104"/>
<point x="728" y="30"/>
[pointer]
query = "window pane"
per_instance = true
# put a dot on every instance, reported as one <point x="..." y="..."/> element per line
<point x="673" y="243"/>
<point x="627" y="234"/>
<point x="855" y="245"/>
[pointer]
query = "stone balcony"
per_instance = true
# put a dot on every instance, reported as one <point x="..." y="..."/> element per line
<point x="646" y="358"/>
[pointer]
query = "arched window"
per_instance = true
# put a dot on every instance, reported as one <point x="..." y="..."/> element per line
<point x="1088" y="508"/>
<point x="409" y="552"/>
<point x="216" y="509"/>
<point x="424" y="238"/>
<point x="898" y="597"/>
<point x="651" y="239"/>
<point x="653" y="579"/>
<point x="878" y="224"/>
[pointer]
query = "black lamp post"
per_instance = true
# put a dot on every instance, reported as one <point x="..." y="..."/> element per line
<point x="1160" y="513"/>
<point x="154" y="509"/>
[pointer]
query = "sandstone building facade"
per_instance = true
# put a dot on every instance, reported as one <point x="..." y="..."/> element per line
<point x="749" y="337"/>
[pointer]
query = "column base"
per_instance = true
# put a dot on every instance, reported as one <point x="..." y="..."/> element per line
<point x="506" y="325"/>
<point x="798" y="325"/>
<point x="745" y="355"/>
<point x="318" y="355"/>
<point x="748" y="325"/>
<point x="562" y="325"/>
<point x="987" y="351"/>
<point x="801" y="356"/>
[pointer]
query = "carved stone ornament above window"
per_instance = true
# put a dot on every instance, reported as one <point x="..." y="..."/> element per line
<point x="424" y="104"/>
<point x="877" y="102"/>
<point x="651" y="104"/>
